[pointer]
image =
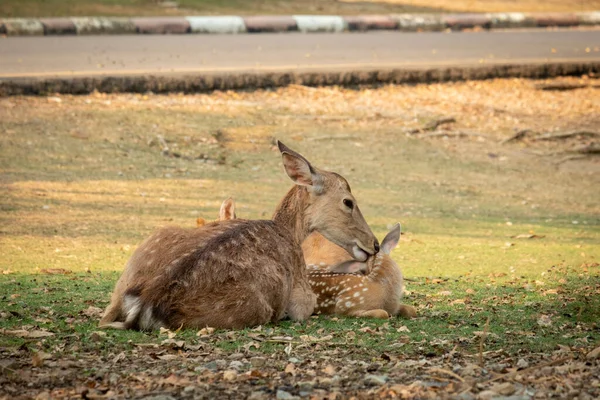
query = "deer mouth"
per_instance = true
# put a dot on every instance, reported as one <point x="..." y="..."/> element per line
<point x="358" y="253"/>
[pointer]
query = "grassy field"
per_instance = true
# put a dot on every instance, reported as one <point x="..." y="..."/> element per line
<point x="45" y="8"/>
<point x="500" y="241"/>
<point x="51" y="8"/>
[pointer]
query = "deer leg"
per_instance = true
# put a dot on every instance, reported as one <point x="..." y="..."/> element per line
<point x="113" y="325"/>
<point x="112" y="312"/>
<point x="302" y="303"/>
<point x="407" y="312"/>
<point x="377" y="313"/>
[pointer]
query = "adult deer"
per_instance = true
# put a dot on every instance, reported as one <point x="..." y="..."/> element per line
<point x="343" y="289"/>
<point x="239" y="273"/>
<point x="138" y="273"/>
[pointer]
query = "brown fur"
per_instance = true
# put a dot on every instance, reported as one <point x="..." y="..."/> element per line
<point x="137" y="272"/>
<point x="228" y="290"/>
<point x="240" y="273"/>
<point x="320" y="253"/>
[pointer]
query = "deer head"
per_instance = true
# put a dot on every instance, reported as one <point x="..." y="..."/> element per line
<point x="331" y="209"/>
<point x="353" y="266"/>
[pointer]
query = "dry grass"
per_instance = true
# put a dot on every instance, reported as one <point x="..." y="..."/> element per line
<point x="495" y="5"/>
<point x="85" y="178"/>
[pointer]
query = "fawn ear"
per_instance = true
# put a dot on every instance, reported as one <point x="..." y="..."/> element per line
<point x="227" y="210"/>
<point x="349" y="267"/>
<point x="391" y="240"/>
<point x="299" y="169"/>
<point x="200" y="222"/>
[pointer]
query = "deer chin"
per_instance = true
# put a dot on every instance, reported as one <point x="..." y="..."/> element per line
<point x="359" y="254"/>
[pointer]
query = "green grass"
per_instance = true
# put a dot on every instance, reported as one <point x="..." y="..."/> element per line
<point x="453" y="312"/>
<point x="83" y="182"/>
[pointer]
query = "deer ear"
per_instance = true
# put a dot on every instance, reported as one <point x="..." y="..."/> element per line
<point x="299" y="169"/>
<point x="391" y="240"/>
<point x="349" y="267"/>
<point x="227" y="210"/>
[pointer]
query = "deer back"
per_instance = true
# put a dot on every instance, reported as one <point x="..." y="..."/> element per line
<point x="145" y="264"/>
<point x="207" y="281"/>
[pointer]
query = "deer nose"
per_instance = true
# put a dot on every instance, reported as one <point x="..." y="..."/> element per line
<point x="376" y="246"/>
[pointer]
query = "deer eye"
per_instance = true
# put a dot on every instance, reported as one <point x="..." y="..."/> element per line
<point x="349" y="203"/>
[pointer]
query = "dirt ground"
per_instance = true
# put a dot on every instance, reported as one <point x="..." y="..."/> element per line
<point x="496" y="184"/>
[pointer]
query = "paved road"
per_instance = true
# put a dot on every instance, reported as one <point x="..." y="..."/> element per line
<point x="137" y="54"/>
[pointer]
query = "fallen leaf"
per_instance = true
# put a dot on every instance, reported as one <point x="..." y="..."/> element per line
<point x="505" y="389"/>
<point x="544" y="320"/>
<point x="251" y="344"/>
<point x="367" y="329"/>
<point x="167" y="357"/>
<point x="229" y="375"/>
<point x="329" y="370"/>
<point x="37" y="360"/>
<point x="27" y="334"/>
<point x="174" y="344"/>
<point x="205" y="331"/>
<point x="255" y="374"/>
<point x="593" y="354"/>
<point x="170" y="334"/>
<point x="93" y="312"/>
<point x="290" y="369"/>
<point x="288" y="349"/>
<point x="118" y="357"/>
<point x="176" y="380"/>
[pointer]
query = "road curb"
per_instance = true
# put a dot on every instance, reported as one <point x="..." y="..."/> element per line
<point x="207" y="82"/>
<point x="291" y="23"/>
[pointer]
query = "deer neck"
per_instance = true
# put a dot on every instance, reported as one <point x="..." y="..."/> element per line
<point x="292" y="213"/>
